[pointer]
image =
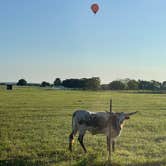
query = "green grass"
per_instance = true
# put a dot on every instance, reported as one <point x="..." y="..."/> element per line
<point x="35" y="124"/>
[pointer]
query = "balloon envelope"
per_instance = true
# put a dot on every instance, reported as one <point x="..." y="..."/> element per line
<point x="95" y="8"/>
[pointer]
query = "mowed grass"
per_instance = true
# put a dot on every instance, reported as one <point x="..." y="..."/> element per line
<point x="35" y="124"/>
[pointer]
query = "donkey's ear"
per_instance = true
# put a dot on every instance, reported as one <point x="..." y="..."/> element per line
<point x="131" y="113"/>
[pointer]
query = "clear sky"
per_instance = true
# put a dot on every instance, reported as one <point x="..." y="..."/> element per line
<point x="44" y="39"/>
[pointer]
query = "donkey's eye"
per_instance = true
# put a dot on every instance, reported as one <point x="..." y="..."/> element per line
<point x="127" y="117"/>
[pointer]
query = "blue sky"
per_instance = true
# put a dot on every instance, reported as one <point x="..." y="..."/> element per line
<point x="41" y="40"/>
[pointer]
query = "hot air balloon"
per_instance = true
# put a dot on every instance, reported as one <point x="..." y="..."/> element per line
<point x="95" y="8"/>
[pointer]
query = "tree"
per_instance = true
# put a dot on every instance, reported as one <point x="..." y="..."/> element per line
<point x="132" y="85"/>
<point x="155" y="85"/>
<point x="149" y="85"/>
<point x="44" y="84"/>
<point x="57" y="82"/>
<point x="163" y="86"/>
<point x="92" y="83"/>
<point x="72" y="83"/>
<point x="117" y="85"/>
<point x="84" y="83"/>
<point x="22" y="82"/>
<point x="144" y="85"/>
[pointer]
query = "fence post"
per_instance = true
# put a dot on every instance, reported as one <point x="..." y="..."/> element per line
<point x="110" y="141"/>
<point x="110" y="105"/>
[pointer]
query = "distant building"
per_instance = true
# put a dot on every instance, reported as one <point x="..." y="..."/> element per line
<point x="9" y="85"/>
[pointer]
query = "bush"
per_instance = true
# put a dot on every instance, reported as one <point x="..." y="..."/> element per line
<point x="57" y="82"/>
<point x="44" y="84"/>
<point x="22" y="82"/>
<point x="132" y="85"/>
<point x="117" y="85"/>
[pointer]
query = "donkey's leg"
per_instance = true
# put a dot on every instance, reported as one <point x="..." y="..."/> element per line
<point x="109" y="147"/>
<point x="108" y="144"/>
<point x="113" y="145"/>
<point x="71" y="139"/>
<point x="80" y="139"/>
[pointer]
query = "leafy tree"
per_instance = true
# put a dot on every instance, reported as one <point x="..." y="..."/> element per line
<point x="132" y="85"/>
<point x="84" y="83"/>
<point x="57" y="82"/>
<point x="149" y="85"/>
<point x="22" y="82"/>
<point x="92" y="83"/>
<point x="163" y="86"/>
<point x="72" y="83"/>
<point x="117" y="85"/>
<point x="144" y="85"/>
<point x="44" y="84"/>
<point x="155" y="85"/>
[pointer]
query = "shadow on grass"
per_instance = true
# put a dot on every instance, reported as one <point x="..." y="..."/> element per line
<point x="153" y="163"/>
<point x="147" y="92"/>
<point x="95" y="163"/>
<point x="21" y="162"/>
<point x="89" y="160"/>
<point x="116" y="164"/>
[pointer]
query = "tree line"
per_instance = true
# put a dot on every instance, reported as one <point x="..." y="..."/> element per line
<point x="94" y="83"/>
<point x="135" y="85"/>
<point x="83" y="83"/>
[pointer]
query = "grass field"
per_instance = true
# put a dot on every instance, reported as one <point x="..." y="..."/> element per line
<point x="35" y="124"/>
